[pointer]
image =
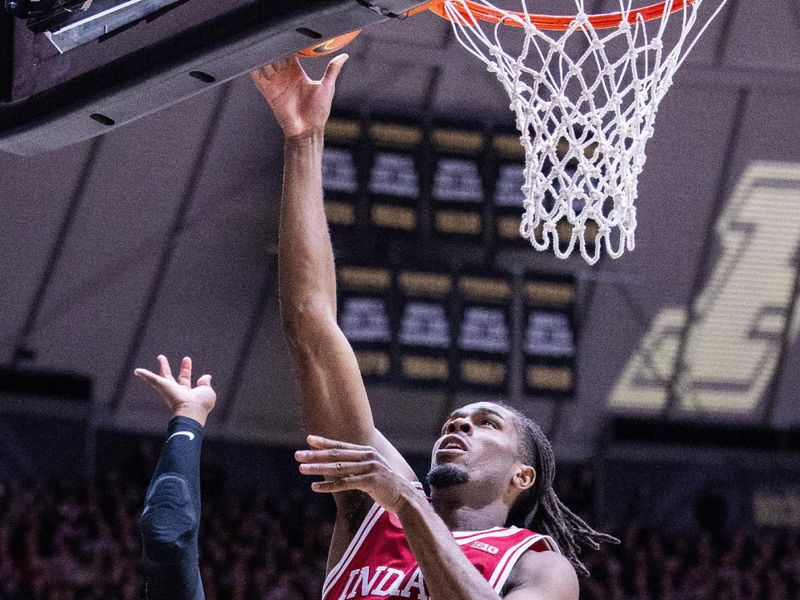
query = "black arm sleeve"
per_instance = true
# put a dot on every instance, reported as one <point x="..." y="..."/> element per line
<point x="170" y="521"/>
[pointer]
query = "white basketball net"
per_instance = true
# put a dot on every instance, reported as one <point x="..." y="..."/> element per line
<point x="585" y="102"/>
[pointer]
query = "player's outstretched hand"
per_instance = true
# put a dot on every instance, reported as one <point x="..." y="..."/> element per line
<point x="182" y="399"/>
<point x="300" y="104"/>
<point x="352" y="467"/>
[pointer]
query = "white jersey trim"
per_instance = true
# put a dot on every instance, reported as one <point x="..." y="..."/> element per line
<point x="355" y="544"/>
<point x="512" y="555"/>
<point x="366" y="526"/>
<point x="499" y="532"/>
<point x="461" y="534"/>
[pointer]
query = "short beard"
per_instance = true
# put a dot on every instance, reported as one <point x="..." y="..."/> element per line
<point x="445" y="476"/>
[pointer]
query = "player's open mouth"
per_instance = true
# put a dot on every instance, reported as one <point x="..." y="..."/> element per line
<point x="452" y="443"/>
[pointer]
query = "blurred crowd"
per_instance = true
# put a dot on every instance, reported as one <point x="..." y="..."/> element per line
<point x="71" y="541"/>
<point x="655" y="565"/>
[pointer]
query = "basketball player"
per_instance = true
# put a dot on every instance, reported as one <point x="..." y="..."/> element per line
<point x="492" y="468"/>
<point x="170" y="521"/>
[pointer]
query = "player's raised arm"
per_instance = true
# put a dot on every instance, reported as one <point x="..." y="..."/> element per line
<point x="334" y="400"/>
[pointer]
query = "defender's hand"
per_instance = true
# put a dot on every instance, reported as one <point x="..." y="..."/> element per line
<point x="180" y="396"/>
<point x="301" y="105"/>
<point x="351" y="467"/>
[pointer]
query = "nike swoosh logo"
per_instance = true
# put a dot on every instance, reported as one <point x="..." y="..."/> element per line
<point x="188" y="434"/>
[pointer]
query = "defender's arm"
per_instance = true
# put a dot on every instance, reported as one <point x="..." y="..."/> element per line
<point x="170" y="521"/>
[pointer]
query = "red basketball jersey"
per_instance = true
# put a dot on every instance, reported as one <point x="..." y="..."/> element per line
<point x="379" y="563"/>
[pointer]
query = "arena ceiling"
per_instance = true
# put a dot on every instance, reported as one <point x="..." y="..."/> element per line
<point x="161" y="237"/>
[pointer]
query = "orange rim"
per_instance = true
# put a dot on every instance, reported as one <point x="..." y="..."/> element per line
<point x="550" y="22"/>
<point x="329" y="46"/>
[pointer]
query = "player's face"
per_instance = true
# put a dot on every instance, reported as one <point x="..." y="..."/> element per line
<point x="480" y="438"/>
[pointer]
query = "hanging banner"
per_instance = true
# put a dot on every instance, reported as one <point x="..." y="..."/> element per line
<point x="508" y="175"/>
<point x="549" y="341"/>
<point x="424" y="336"/>
<point x="484" y="332"/>
<point x="364" y="295"/>
<point x="457" y="187"/>
<point x="340" y="175"/>
<point x="394" y="183"/>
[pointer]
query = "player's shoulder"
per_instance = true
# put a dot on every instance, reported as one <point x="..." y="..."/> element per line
<point x="546" y="572"/>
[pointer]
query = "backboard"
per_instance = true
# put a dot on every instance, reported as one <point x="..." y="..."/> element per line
<point x="72" y="76"/>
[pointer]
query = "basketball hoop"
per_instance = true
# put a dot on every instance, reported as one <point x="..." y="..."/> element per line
<point x="585" y="90"/>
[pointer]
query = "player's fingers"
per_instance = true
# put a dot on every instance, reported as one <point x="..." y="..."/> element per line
<point x="268" y="70"/>
<point x="334" y="455"/>
<point x="322" y="443"/>
<point x="164" y="368"/>
<point x="263" y="74"/>
<point x="185" y="374"/>
<point x="337" y="469"/>
<point x="293" y="65"/>
<point x="146" y="375"/>
<point x="354" y="482"/>
<point x="282" y="64"/>
<point x="258" y="77"/>
<point x="154" y="381"/>
<point x="333" y="69"/>
<point x="204" y="380"/>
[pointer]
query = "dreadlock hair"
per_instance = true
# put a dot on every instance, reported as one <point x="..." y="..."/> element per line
<point x="539" y="509"/>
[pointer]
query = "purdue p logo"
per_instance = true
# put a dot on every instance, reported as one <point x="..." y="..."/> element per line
<point x="734" y="337"/>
